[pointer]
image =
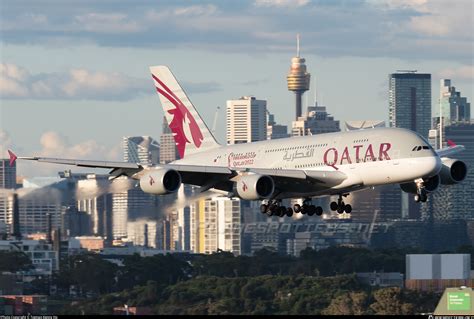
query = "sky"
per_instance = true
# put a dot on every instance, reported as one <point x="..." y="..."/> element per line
<point x="74" y="75"/>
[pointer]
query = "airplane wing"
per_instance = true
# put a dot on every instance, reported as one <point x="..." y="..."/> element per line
<point x="223" y="178"/>
<point x="452" y="149"/>
<point x="118" y="168"/>
<point x="217" y="177"/>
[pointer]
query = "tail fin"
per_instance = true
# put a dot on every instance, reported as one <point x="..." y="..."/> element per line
<point x="191" y="134"/>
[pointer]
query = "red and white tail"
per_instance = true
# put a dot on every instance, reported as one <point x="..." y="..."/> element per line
<point x="191" y="134"/>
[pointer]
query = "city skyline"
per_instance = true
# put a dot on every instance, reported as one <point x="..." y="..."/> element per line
<point x="349" y="69"/>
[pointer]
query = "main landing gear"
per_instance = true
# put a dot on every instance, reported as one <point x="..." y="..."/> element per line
<point x="421" y="194"/>
<point x="308" y="208"/>
<point x="274" y="208"/>
<point x="340" y="207"/>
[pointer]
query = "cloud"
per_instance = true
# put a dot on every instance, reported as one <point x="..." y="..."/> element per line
<point x="17" y="82"/>
<point x="53" y="144"/>
<point x="405" y="29"/>
<point x="465" y="72"/>
<point x="5" y="143"/>
<point x="281" y="3"/>
<point x="107" y="23"/>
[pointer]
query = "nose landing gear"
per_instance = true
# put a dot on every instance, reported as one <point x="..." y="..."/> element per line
<point x="421" y="193"/>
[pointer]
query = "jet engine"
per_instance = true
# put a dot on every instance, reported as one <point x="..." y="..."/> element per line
<point x="453" y="171"/>
<point x="160" y="181"/>
<point x="431" y="184"/>
<point x="254" y="187"/>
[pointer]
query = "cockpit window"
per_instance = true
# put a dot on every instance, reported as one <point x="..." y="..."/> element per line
<point x="420" y="147"/>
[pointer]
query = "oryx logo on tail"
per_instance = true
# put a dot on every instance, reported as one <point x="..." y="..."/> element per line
<point x="183" y="121"/>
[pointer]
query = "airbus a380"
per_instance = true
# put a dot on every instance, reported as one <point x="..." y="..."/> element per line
<point x="295" y="167"/>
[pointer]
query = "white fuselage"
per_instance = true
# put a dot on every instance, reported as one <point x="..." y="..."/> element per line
<point x="368" y="157"/>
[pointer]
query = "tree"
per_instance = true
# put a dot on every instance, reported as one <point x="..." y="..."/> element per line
<point x="14" y="261"/>
<point x="349" y="303"/>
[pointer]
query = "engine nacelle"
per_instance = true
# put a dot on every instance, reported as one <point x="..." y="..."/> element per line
<point x="160" y="181"/>
<point x="453" y="171"/>
<point x="254" y="187"/>
<point x="431" y="184"/>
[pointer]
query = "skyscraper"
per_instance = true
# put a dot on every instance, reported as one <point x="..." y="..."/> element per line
<point x="376" y="204"/>
<point x="143" y="232"/>
<point x="168" y="151"/>
<point x="315" y="121"/>
<point x="246" y="120"/>
<point x="215" y="224"/>
<point x="298" y="79"/>
<point x="99" y="207"/>
<point x="456" y="201"/>
<point x="454" y="107"/>
<point x="130" y="205"/>
<point x="410" y="108"/>
<point x="141" y="149"/>
<point x="410" y="101"/>
<point x="7" y="174"/>
<point x="274" y="130"/>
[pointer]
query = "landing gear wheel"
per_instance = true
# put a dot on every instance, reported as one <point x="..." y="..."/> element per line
<point x="311" y="210"/>
<point x="334" y="206"/>
<point x="417" y="198"/>
<point x="319" y="210"/>
<point x="289" y="212"/>
<point x="424" y="198"/>
<point x="263" y="208"/>
<point x="297" y="208"/>
<point x="348" y="208"/>
<point x="304" y="209"/>
<point x="273" y="209"/>
<point x="340" y="210"/>
<point x="281" y="211"/>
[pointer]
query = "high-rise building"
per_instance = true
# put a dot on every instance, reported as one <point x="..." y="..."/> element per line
<point x="298" y="79"/>
<point x="377" y="204"/>
<point x="130" y="205"/>
<point x="75" y="223"/>
<point x="456" y="201"/>
<point x="274" y="130"/>
<point x="246" y="120"/>
<point x="98" y="203"/>
<point x="454" y="107"/>
<point x="143" y="232"/>
<point x="410" y="101"/>
<point x="410" y="108"/>
<point x="141" y="149"/>
<point x="215" y="224"/>
<point x="7" y="174"/>
<point x="315" y="121"/>
<point x="168" y="150"/>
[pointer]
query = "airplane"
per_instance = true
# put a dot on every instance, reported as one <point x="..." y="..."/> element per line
<point x="287" y="168"/>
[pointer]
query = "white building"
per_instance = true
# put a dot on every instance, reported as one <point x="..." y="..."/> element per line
<point x="246" y="120"/>
<point x="315" y="121"/>
<point x="141" y="149"/>
<point x="143" y="232"/>
<point x="43" y="257"/>
<point x="438" y="266"/>
<point x="215" y="224"/>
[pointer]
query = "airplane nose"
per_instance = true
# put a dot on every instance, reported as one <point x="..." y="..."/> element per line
<point x="435" y="165"/>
